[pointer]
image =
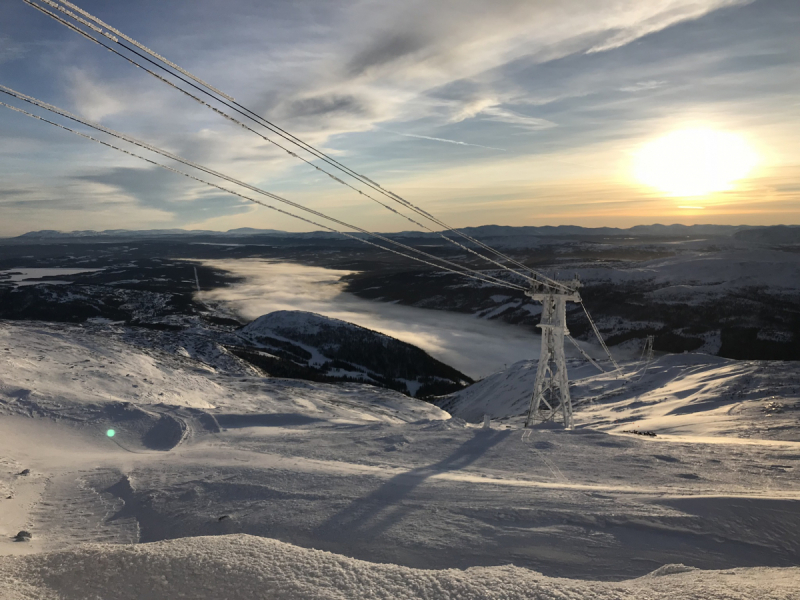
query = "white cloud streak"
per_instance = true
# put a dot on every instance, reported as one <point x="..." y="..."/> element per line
<point x="438" y="139"/>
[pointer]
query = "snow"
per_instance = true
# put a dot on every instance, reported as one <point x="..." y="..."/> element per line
<point x="504" y="394"/>
<point x="247" y="567"/>
<point x="315" y="479"/>
<point x="50" y="367"/>
<point x="691" y="276"/>
<point x="679" y="395"/>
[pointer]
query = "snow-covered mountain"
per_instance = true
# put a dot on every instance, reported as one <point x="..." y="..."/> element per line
<point x="676" y="394"/>
<point x="312" y="346"/>
<point x="482" y="232"/>
<point x="250" y="486"/>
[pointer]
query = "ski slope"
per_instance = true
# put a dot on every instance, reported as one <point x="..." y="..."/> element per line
<point x="330" y="476"/>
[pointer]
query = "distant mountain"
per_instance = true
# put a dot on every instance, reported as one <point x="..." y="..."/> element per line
<point x="574" y="230"/>
<point x="310" y="346"/>
<point x="482" y="232"/>
<point x="143" y="233"/>
<point x="775" y="234"/>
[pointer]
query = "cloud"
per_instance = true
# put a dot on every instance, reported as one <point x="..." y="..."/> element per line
<point x="392" y="55"/>
<point x="9" y="50"/>
<point x="270" y="286"/>
<point x="185" y="200"/>
<point x="91" y="98"/>
<point x="386" y="51"/>
<point x="436" y="139"/>
<point x="330" y="70"/>
<point x="326" y="105"/>
<point x="472" y="107"/>
<point x="503" y="115"/>
<point x="642" y="86"/>
<point x="641" y="22"/>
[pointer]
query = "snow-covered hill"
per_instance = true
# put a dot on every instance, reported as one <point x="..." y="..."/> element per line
<point x="678" y="394"/>
<point x="57" y="370"/>
<point x="373" y="475"/>
<point x="311" y="346"/>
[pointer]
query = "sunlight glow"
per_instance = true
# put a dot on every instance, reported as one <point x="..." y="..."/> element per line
<point x="694" y="162"/>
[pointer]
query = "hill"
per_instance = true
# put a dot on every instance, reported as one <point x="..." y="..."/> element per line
<point x="311" y="346"/>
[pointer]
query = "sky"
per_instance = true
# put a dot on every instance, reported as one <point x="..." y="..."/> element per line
<point x="510" y="112"/>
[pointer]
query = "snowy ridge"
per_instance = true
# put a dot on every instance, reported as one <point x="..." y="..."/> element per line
<point x="311" y="346"/>
<point x="248" y="568"/>
<point x="301" y="323"/>
<point x="48" y="367"/>
<point x="504" y="394"/>
<point x="678" y="394"/>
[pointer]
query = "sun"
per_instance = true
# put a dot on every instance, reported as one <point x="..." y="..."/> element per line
<point x="694" y="162"/>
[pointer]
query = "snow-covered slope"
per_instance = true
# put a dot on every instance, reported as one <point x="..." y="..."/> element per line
<point x="308" y="345"/>
<point x="504" y="394"/>
<point x="50" y="369"/>
<point x="368" y="474"/>
<point x="249" y="568"/>
<point x="677" y="394"/>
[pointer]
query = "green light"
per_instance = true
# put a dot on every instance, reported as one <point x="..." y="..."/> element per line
<point x="110" y="433"/>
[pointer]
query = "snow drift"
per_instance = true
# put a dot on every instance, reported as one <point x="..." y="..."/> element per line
<point x="246" y="567"/>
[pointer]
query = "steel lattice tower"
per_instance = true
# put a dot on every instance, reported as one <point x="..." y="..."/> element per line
<point x="551" y="390"/>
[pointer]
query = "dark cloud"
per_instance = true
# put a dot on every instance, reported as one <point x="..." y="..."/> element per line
<point x="166" y="191"/>
<point x="386" y="51"/>
<point x="328" y="105"/>
<point x="14" y="193"/>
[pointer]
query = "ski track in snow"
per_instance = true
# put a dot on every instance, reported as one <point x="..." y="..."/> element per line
<point x="369" y="474"/>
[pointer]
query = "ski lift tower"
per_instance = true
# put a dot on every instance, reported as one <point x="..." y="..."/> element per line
<point x="551" y="390"/>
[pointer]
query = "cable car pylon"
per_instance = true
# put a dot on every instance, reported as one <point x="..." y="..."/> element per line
<point x="551" y="390"/>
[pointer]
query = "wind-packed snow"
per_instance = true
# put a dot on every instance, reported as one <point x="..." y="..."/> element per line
<point x="250" y="568"/>
<point x="367" y="474"/>
<point x="54" y="369"/>
<point x="679" y="395"/>
<point x="504" y="394"/>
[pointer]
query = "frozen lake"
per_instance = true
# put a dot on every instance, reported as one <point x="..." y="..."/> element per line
<point x="474" y="346"/>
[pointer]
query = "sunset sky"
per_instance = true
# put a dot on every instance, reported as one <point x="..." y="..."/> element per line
<point x="532" y="112"/>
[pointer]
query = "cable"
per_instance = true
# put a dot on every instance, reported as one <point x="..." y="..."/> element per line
<point x="286" y="135"/>
<point x="482" y="276"/>
<point x="275" y="129"/>
<point x="475" y="275"/>
<point x="600" y="337"/>
<point x="585" y="355"/>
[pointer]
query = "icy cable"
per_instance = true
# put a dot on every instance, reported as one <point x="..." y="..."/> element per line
<point x="584" y="354"/>
<point x="232" y="119"/>
<point x="602" y="341"/>
<point x="269" y="126"/>
<point x="472" y="274"/>
<point x="293" y="139"/>
<point x="132" y="41"/>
